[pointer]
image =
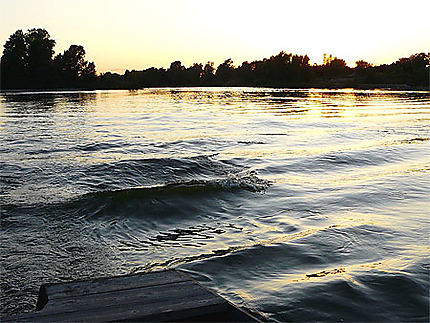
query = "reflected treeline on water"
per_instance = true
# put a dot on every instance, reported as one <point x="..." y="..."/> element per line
<point x="28" y="62"/>
<point x="330" y="102"/>
<point x="34" y="102"/>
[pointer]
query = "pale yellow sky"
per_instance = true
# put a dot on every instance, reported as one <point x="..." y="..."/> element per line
<point x="137" y="34"/>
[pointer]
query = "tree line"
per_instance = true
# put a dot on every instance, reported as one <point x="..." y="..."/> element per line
<point x="28" y="62"/>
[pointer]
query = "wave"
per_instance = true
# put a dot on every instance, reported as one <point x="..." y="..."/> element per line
<point x="249" y="182"/>
<point x="177" y="198"/>
<point x="132" y="176"/>
<point x="152" y="171"/>
<point x="157" y="198"/>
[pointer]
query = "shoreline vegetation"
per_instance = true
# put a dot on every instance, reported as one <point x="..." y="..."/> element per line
<point x="28" y="63"/>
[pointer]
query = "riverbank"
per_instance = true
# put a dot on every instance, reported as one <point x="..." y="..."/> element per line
<point x="335" y="84"/>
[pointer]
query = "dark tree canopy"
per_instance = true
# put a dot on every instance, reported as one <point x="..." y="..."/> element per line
<point x="14" y="61"/>
<point x="208" y="75"/>
<point x="362" y="64"/>
<point x="28" y="62"/>
<point x="225" y="71"/>
<point x="193" y="74"/>
<point x="72" y="68"/>
<point x="40" y="49"/>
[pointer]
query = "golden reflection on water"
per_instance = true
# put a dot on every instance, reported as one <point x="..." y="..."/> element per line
<point x="341" y="179"/>
<point x="235" y="111"/>
<point x="348" y="272"/>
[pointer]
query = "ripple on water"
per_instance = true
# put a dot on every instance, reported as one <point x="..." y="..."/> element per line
<point x="300" y="205"/>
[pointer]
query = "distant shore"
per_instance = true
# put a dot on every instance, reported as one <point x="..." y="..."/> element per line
<point x="385" y="87"/>
<point x="28" y="61"/>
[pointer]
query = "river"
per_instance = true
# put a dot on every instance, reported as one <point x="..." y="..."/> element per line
<point x="294" y="204"/>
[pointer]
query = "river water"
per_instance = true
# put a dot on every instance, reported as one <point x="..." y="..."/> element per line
<point x="297" y="205"/>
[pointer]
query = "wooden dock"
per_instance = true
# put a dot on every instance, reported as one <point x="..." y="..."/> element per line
<point x="160" y="296"/>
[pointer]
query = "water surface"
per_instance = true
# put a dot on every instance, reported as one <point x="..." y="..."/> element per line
<point x="298" y="205"/>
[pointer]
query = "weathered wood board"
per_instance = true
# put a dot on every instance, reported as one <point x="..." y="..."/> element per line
<point x="159" y="296"/>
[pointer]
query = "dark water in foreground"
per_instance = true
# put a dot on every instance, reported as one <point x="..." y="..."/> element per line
<point x="297" y="205"/>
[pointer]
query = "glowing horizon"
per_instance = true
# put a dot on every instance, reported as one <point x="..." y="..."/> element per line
<point x="131" y="34"/>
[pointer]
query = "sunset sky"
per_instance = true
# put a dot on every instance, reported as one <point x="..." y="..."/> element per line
<point x="137" y="34"/>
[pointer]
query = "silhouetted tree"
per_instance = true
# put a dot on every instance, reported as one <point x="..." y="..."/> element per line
<point x="208" y="76"/>
<point x="40" y="48"/>
<point x="225" y="71"/>
<point x="363" y="71"/>
<point x="175" y="73"/>
<point x="14" y="61"/>
<point x="73" y="69"/>
<point x="176" y="66"/>
<point x="338" y="66"/>
<point x="245" y="73"/>
<point x="333" y="66"/>
<point x="110" y="80"/>
<point x="27" y="63"/>
<point x="194" y="74"/>
<point x="27" y="60"/>
<point x="155" y="77"/>
<point x="362" y="64"/>
<point x="412" y="70"/>
<point x="89" y="73"/>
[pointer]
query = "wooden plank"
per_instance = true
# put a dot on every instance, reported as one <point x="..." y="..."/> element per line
<point x="171" y="309"/>
<point x="103" y="285"/>
<point x="145" y="296"/>
<point x="158" y="296"/>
